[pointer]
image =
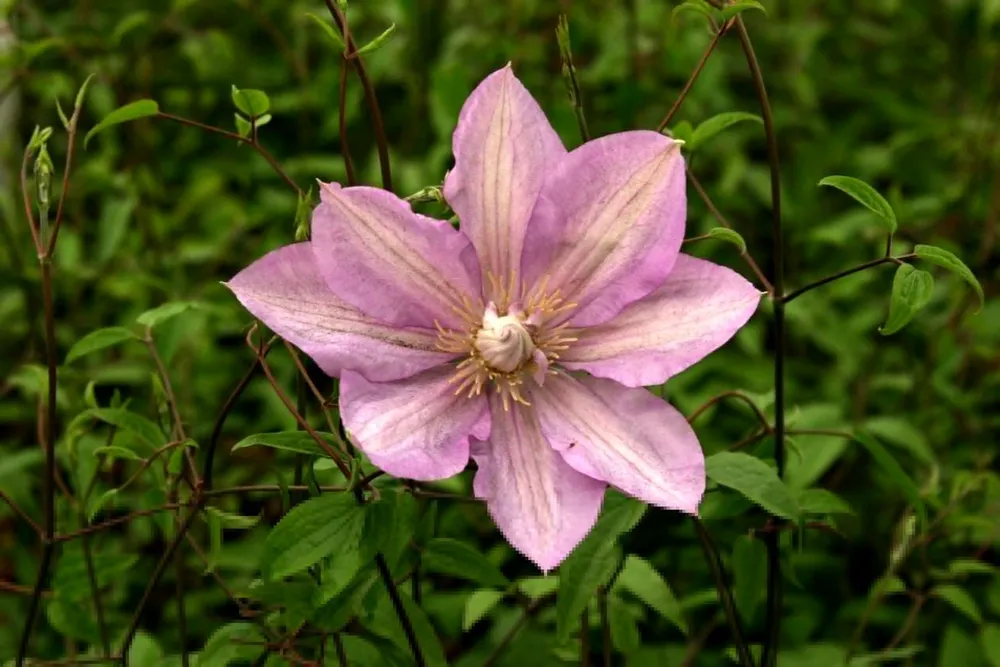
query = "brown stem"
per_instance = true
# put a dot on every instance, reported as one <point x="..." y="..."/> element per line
<point x="694" y="75"/>
<point x="717" y="214"/>
<point x="345" y="147"/>
<point x="20" y="512"/>
<point x="382" y="143"/>
<point x="96" y="528"/>
<point x="235" y="137"/>
<point x="732" y="394"/>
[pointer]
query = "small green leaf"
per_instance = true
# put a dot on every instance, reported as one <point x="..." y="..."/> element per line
<point x="65" y="617"/>
<point x="238" y="642"/>
<point x="338" y="610"/>
<point x="81" y="94"/>
<point x="232" y="521"/>
<point x="329" y="31"/>
<point x="911" y="290"/>
<point x="458" y="559"/>
<point x="148" y="431"/>
<point x="821" y="501"/>
<point x="113" y="452"/>
<point x="164" y="312"/>
<point x="966" y="566"/>
<point x="866" y="195"/>
<point x="251" y="102"/>
<point x="895" y="471"/>
<point x="990" y="641"/>
<point x="98" y="340"/>
<point x="289" y="441"/>
<point x="693" y="6"/>
<point x="754" y="479"/>
<point x="243" y="126"/>
<point x="378" y="41"/>
<point x="949" y="260"/>
<point x="131" y="111"/>
<point x="729" y="236"/>
<point x="717" y="124"/>
<point x="749" y="575"/>
<point x="960" y="600"/>
<point x="642" y="580"/>
<point x="731" y="10"/>
<point x="313" y="530"/>
<point x="479" y="604"/>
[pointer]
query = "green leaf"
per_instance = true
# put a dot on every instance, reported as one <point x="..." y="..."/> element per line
<point x="66" y="618"/>
<point x="594" y="561"/>
<point x="241" y="641"/>
<point x="479" y="604"/>
<point x="821" y="501"/>
<point x="623" y="627"/>
<point x="378" y="41"/>
<point x="164" y="312"/>
<point x="98" y="340"/>
<point x="749" y="575"/>
<point x="113" y="452"/>
<point x="899" y="478"/>
<point x="313" y="530"/>
<point x="458" y="559"/>
<point x="866" y="195"/>
<point x="334" y="614"/>
<point x="329" y="31"/>
<point x="889" y="655"/>
<point x="251" y="102"/>
<point x="71" y="580"/>
<point x="989" y="638"/>
<point x="960" y="600"/>
<point x="232" y="521"/>
<point x="966" y="566"/>
<point x="145" y="429"/>
<point x="729" y="236"/>
<point x="693" y="6"/>
<point x="387" y="624"/>
<point x="642" y="580"/>
<point x="717" y="124"/>
<point x="949" y="260"/>
<point x="731" y="10"/>
<point x="754" y="479"/>
<point x="898" y="431"/>
<point x="289" y="441"/>
<point x="243" y="126"/>
<point x="131" y="111"/>
<point x="911" y="290"/>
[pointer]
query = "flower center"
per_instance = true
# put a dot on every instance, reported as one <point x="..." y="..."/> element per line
<point x="504" y="342"/>
<point x="502" y="351"/>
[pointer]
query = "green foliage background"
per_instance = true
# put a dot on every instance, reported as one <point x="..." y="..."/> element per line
<point x="904" y="95"/>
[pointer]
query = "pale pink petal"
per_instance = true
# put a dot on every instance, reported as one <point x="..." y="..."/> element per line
<point x="627" y="437"/>
<point x="609" y="223"/>
<point x="504" y="147"/>
<point x="390" y="262"/>
<point x="415" y="428"/>
<point x="285" y="290"/>
<point x="541" y="505"/>
<point x="699" y="307"/>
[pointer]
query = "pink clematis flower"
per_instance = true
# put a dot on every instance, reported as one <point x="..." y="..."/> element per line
<point x="525" y="338"/>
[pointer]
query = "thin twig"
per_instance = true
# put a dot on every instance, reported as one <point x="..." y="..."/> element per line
<point x="837" y="276"/>
<point x="529" y="612"/>
<point x="20" y="512"/>
<point x="345" y="146"/>
<point x="717" y="214"/>
<point x="95" y="591"/>
<point x="236" y="137"/>
<point x="732" y="394"/>
<point x="694" y="75"/>
<point x="96" y="528"/>
<point x="725" y="595"/>
<point x="382" y="143"/>
<point x="769" y="655"/>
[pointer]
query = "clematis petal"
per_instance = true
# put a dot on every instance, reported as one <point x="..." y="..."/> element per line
<point x="542" y="505"/>
<point x="626" y="437"/>
<point x="284" y="289"/>
<point x="390" y="262"/>
<point x="504" y="147"/>
<point x="415" y="428"/>
<point x="609" y="223"/>
<point x="699" y="307"/>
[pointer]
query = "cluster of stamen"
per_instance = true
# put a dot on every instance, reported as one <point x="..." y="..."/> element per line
<point x="517" y="335"/>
